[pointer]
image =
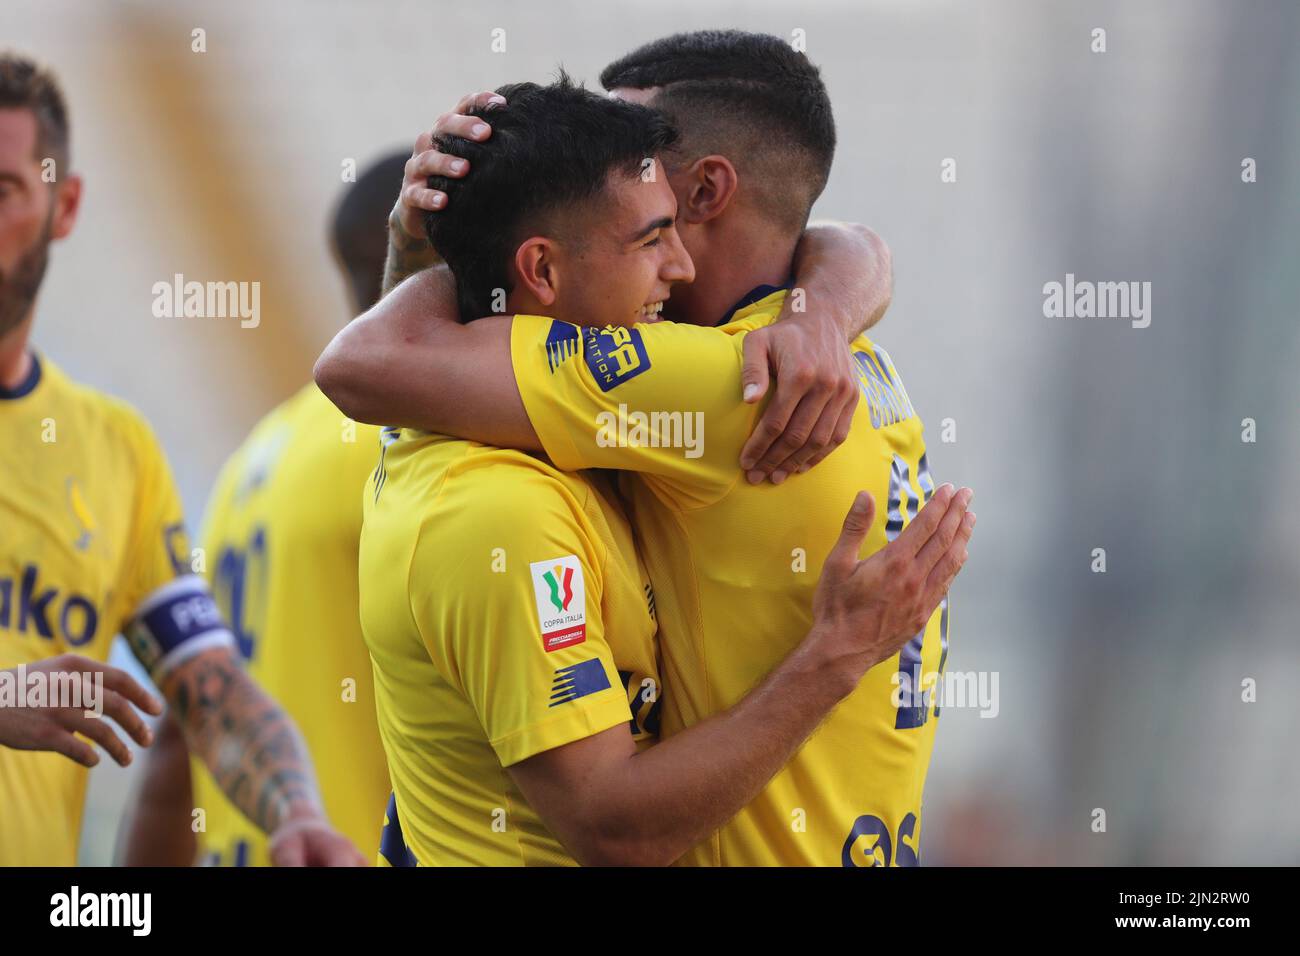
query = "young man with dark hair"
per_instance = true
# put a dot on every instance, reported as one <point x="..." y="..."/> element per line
<point x="746" y="96"/>
<point x="510" y="622"/>
<point x="731" y="560"/>
<point x="95" y="545"/>
<point x="533" y="173"/>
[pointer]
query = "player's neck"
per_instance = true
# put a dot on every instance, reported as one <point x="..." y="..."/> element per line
<point x="15" y="359"/>
<point x="737" y="264"/>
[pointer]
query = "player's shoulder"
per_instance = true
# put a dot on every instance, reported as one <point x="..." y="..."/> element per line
<point x="476" y="492"/>
<point x="759" y="307"/>
<point x="111" y="416"/>
<point x="738" y="328"/>
<point x="505" y="485"/>
<point x="679" y="344"/>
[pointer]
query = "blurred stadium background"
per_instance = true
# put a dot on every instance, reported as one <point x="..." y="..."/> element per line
<point x="1119" y="690"/>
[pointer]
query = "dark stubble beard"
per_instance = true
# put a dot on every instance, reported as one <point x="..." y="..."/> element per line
<point x="19" y="285"/>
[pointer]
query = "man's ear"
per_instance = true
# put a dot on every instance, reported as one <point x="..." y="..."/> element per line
<point x="535" y="265"/>
<point x="711" y="183"/>
<point x="67" y="200"/>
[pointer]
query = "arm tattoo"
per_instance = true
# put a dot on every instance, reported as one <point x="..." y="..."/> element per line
<point x="407" y="255"/>
<point x="250" y="745"/>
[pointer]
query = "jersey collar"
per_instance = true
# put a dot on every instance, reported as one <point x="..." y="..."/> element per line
<point x="26" y="385"/>
<point x="753" y="297"/>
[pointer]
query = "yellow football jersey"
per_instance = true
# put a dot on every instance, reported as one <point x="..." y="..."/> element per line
<point x="506" y="614"/>
<point x="92" y="544"/>
<point x="280" y="539"/>
<point x="735" y="565"/>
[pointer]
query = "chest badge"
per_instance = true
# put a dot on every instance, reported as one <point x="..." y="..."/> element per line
<point x="81" y="515"/>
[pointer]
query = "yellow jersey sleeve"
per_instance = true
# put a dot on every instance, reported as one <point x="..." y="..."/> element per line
<point x="160" y="548"/>
<point x="661" y="399"/>
<point x="520" y="633"/>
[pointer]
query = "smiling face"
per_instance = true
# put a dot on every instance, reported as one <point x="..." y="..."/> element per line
<point x="619" y="258"/>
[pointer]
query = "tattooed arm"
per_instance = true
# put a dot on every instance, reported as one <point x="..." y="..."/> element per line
<point x="256" y="756"/>
<point x="407" y="253"/>
<point x="409" y="249"/>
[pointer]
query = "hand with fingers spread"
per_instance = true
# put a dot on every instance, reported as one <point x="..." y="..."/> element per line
<point x="53" y="727"/>
<point x="409" y="250"/>
<point x="866" y="610"/>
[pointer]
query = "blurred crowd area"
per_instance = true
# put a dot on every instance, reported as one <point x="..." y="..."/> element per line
<point x="1119" y="691"/>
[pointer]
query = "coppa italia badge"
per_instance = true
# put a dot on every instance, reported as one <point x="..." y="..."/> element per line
<point x="561" y="601"/>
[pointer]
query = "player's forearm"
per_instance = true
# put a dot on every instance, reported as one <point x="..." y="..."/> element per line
<point x="252" y="748"/>
<point x="846" y="273"/>
<point x="158" y="828"/>
<point x="676" y="793"/>
<point x="382" y="367"/>
<point x="408" y="362"/>
<point x="407" y="255"/>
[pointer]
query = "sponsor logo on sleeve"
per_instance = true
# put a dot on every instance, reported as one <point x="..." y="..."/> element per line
<point x="176" y="541"/>
<point x="561" y="601"/>
<point x="614" y="355"/>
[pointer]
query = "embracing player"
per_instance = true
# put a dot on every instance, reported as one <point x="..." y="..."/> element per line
<point x="507" y="612"/>
<point x="733" y="561"/>
<point x="95" y="545"/>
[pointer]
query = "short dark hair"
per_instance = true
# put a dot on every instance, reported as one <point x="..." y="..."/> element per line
<point x="359" y="230"/>
<point x="26" y="85"/>
<point x="551" y="147"/>
<point x="748" y="96"/>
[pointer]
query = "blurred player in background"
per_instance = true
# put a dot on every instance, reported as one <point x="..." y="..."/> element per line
<point x="281" y="537"/>
<point x="734" y="562"/>
<point x="94" y="544"/>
